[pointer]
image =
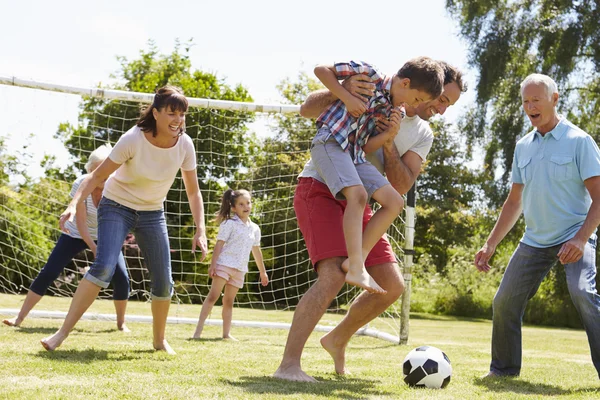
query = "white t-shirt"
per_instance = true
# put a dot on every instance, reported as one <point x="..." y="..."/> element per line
<point x="414" y="135"/>
<point x="146" y="172"/>
<point x="239" y="239"/>
<point x="91" y="212"/>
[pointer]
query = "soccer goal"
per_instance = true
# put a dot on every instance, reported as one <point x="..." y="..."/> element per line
<point x="241" y="145"/>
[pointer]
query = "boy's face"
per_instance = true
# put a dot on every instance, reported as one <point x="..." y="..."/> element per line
<point x="401" y="92"/>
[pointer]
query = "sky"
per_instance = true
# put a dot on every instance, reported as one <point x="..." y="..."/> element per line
<point x="256" y="43"/>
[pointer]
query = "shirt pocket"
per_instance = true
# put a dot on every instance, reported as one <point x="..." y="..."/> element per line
<point x="524" y="165"/>
<point x="562" y="166"/>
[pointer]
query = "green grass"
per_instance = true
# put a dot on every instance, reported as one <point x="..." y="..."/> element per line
<point x="99" y="362"/>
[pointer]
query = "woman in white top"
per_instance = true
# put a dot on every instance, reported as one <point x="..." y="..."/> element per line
<point x="144" y="161"/>
<point x="238" y="236"/>
<point x="82" y="235"/>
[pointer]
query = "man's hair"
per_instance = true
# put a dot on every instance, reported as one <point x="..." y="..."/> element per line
<point x="97" y="157"/>
<point x="453" y="74"/>
<point x="425" y="74"/>
<point x="540" y="79"/>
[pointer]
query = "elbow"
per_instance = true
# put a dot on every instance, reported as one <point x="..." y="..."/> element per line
<point x="305" y="111"/>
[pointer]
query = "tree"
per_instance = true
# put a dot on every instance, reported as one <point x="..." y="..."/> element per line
<point x="509" y="40"/>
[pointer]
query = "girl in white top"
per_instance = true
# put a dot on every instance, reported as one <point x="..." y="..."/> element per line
<point x="82" y="234"/>
<point x="237" y="237"/>
<point x="145" y="161"/>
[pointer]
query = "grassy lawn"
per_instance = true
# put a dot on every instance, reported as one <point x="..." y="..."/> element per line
<point x="97" y="361"/>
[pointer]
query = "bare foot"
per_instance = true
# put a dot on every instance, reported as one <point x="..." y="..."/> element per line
<point x="123" y="328"/>
<point x="197" y="334"/>
<point x="294" y="374"/>
<point x="16" y="322"/>
<point x="362" y="279"/>
<point x="229" y="337"/>
<point x="338" y="353"/>
<point x="164" y="346"/>
<point x="51" y="343"/>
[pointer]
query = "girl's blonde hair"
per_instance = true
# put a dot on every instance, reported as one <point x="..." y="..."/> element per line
<point x="97" y="157"/>
<point x="229" y="198"/>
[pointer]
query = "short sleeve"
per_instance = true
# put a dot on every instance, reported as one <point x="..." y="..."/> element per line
<point x="516" y="172"/>
<point x="423" y="146"/>
<point x="346" y="69"/>
<point x="225" y="230"/>
<point x="588" y="156"/>
<point x="124" y="149"/>
<point x="256" y="236"/>
<point x="189" y="161"/>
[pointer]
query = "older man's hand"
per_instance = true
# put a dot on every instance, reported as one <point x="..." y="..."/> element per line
<point x="571" y="251"/>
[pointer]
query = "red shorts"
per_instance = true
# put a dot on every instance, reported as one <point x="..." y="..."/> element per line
<point x="320" y="219"/>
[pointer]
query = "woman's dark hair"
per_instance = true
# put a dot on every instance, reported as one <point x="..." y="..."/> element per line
<point x="166" y="96"/>
<point x="229" y="198"/>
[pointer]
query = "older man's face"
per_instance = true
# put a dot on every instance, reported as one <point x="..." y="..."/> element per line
<point x="539" y="105"/>
<point x="449" y="97"/>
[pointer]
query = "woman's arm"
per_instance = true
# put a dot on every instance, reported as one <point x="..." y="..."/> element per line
<point x="82" y="226"/>
<point x="190" y="180"/>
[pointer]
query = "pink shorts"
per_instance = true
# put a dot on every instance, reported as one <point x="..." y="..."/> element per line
<point x="320" y="219"/>
<point x="234" y="277"/>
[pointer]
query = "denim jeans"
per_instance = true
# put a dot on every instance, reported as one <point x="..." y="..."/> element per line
<point x="115" y="221"/>
<point x="527" y="268"/>
<point x="65" y="249"/>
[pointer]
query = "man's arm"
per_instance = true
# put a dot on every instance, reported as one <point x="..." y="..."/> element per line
<point x="511" y="211"/>
<point x="316" y="102"/>
<point x="572" y="251"/>
<point x="401" y="171"/>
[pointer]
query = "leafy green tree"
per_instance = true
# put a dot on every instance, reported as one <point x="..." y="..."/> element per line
<point x="507" y="41"/>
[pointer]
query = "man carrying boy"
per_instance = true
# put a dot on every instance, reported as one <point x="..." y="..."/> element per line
<point x="347" y="130"/>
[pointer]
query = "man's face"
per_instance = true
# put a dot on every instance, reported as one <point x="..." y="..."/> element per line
<point x="448" y="98"/>
<point x="539" y="105"/>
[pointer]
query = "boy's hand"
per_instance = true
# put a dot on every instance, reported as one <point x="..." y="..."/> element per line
<point x="393" y="124"/>
<point x="264" y="279"/>
<point x="355" y="106"/>
<point x="359" y="86"/>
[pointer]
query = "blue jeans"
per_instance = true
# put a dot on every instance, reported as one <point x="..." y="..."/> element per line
<point x="65" y="249"/>
<point x="115" y="221"/>
<point x="527" y="268"/>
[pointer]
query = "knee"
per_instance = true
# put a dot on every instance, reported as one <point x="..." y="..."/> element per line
<point x="356" y="195"/>
<point x="395" y="290"/>
<point x="164" y="291"/>
<point x="227" y="303"/>
<point x="212" y="297"/>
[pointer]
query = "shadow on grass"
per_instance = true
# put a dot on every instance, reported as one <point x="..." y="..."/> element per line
<point x="519" y="386"/>
<point x="39" y="330"/>
<point x="340" y="387"/>
<point x="88" y="356"/>
<point x="214" y="339"/>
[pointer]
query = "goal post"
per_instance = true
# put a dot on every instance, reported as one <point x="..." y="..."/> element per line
<point x="242" y="145"/>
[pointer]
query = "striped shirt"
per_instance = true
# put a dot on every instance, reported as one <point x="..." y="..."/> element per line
<point x="342" y="124"/>
<point x="91" y="212"/>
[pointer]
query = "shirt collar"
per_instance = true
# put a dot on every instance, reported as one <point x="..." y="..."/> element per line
<point x="387" y="84"/>
<point x="558" y="131"/>
<point x="238" y="219"/>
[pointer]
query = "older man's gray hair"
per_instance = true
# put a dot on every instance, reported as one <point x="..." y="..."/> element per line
<point x="540" y="79"/>
<point x="97" y="157"/>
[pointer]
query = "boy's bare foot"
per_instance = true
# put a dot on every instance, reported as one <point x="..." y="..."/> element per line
<point x="294" y="373"/>
<point x="123" y="328"/>
<point x="362" y="279"/>
<point x="229" y="337"/>
<point x="338" y="353"/>
<point x="164" y="346"/>
<point x="51" y="343"/>
<point x="16" y="322"/>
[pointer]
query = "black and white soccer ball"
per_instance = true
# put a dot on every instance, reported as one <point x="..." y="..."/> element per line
<point x="427" y="366"/>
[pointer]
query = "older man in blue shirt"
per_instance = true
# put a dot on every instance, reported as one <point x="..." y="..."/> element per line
<point x="556" y="183"/>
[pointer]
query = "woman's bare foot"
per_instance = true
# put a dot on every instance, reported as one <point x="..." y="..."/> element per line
<point x="123" y="328"/>
<point x="337" y="352"/>
<point x="197" y="333"/>
<point x="16" y="322"/>
<point x="164" y="346"/>
<point x="51" y="343"/>
<point x="229" y="337"/>
<point x="294" y="373"/>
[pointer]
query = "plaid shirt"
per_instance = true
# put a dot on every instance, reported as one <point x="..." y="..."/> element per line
<point x="342" y="124"/>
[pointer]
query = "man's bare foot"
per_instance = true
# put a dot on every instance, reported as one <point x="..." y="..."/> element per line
<point x="164" y="346"/>
<point x="123" y="328"/>
<point x="16" y="322"/>
<point x="338" y="353"/>
<point x="51" y="343"/>
<point x="229" y="337"/>
<point x="294" y="374"/>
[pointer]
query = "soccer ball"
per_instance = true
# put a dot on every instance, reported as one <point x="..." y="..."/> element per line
<point x="427" y="366"/>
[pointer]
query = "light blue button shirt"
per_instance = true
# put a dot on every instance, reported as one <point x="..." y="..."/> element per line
<point x="552" y="168"/>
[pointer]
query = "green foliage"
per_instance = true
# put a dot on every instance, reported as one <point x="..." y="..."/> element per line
<point x="509" y="40"/>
